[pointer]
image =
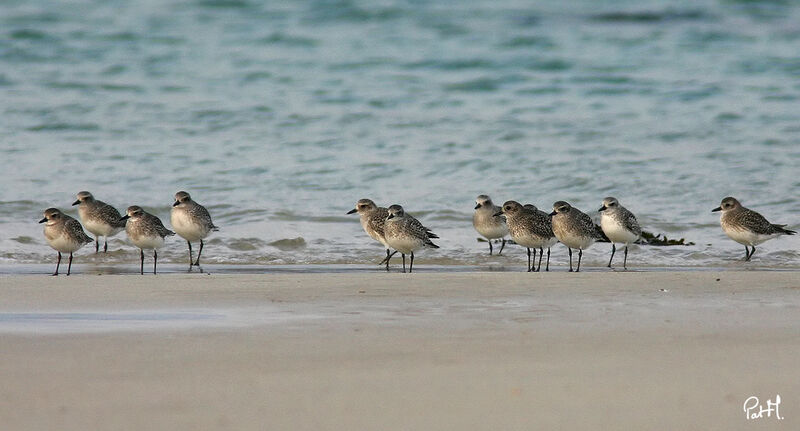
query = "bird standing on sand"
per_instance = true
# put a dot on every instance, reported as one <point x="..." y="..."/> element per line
<point x="619" y="225"/>
<point x="746" y="226"/>
<point x="64" y="234"/>
<point x="574" y="229"/>
<point x="530" y="228"/>
<point x="146" y="232"/>
<point x="373" y="219"/>
<point x="488" y="223"/>
<point x="406" y="234"/>
<point x="191" y="221"/>
<point x="99" y="218"/>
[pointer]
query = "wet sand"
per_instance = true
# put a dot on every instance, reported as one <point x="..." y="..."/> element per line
<point x="646" y="350"/>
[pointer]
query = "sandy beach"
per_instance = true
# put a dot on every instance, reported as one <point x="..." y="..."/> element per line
<point x="513" y="351"/>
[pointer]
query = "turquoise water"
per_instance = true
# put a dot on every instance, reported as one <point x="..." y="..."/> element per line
<point x="279" y="117"/>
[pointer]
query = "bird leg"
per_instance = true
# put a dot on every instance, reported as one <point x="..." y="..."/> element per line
<point x="502" y="246"/>
<point x="570" y="259"/>
<point x="69" y="266"/>
<point x="58" y="264"/>
<point x="625" y="261"/>
<point x="547" y="268"/>
<point x="529" y="260"/>
<point x="614" y="249"/>
<point x="541" y="253"/>
<point x="199" y="252"/>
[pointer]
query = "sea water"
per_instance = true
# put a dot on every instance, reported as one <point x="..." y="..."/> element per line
<point x="279" y="116"/>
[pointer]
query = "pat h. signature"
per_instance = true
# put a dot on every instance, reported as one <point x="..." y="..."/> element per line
<point x="754" y="410"/>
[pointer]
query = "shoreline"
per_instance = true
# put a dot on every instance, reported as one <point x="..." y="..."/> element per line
<point x="83" y="269"/>
<point x="647" y="350"/>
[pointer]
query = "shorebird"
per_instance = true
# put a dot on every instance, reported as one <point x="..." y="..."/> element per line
<point x="99" y="218"/>
<point x="530" y="228"/>
<point x="619" y="225"/>
<point x="488" y="223"/>
<point x="373" y="219"/>
<point x="146" y="232"/>
<point x="574" y="229"/>
<point x="64" y="234"/>
<point x="406" y="234"/>
<point x="191" y="221"/>
<point x="746" y="226"/>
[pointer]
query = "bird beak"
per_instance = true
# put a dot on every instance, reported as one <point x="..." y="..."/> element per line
<point x="352" y="211"/>
<point x="716" y="209"/>
<point x="390" y="216"/>
<point x="43" y="220"/>
<point x="603" y="208"/>
<point x="78" y="202"/>
<point x="477" y="206"/>
<point x="499" y="213"/>
<point x="176" y="203"/>
<point x="125" y="217"/>
<point x="552" y="213"/>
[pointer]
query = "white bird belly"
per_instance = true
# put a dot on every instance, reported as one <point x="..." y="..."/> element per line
<point x="64" y="244"/>
<point x="492" y="231"/>
<point x="100" y="228"/>
<point x="577" y="241"/>
<point x="616" y="232"/>
<point x="531" y="241"/>
<point x="404" y="245"/>
<point x="746" y="237"/>
<point x="186" y="227"/>
<point x="148" y="242"/>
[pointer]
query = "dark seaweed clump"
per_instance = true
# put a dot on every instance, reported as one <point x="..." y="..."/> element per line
<point x="648" y="238"/>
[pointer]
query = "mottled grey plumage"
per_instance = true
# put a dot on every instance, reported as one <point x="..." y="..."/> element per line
<point x="373" y="219"/>
<point x="99" y="218"/>
<point x="574" y="229"/>
<point x="146" y="232"/>
<point x="619" y="225"/>
<point x="191" y="221"/>
<point x="746" y="226"/>
<point x="406" y="234"/>
<point x="64" y="234"/>
<point x="486" y="221"/>
<point x="531" y="229"/>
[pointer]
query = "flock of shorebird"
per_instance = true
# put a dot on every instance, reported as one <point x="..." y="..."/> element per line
<point x="536" y="230"/>
<point x="397" y="230"/>
<point x="146" y="231"/>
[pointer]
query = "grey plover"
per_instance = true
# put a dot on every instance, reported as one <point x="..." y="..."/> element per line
<point x="574" y="229"/>
<point x="64" y="234"/>
<point x="746" y="226"/>
<point x="406" y="234"/>
<point x="99" y="218"/>
<point x="191" y="221"/>
<point x="146" y="232"/>
<point x="373" y="219"/>
<point x="488" y="223"/>
<point x="530" y="228"/>
<point x="619" y="225"/>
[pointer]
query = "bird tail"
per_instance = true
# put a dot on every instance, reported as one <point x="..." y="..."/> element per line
<point x="430" y="243"/>
<point x="781" y="228"/>
<point x="431" y="234"/>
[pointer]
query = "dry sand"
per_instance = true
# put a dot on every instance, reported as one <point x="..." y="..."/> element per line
<point x="427" y="351"/>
